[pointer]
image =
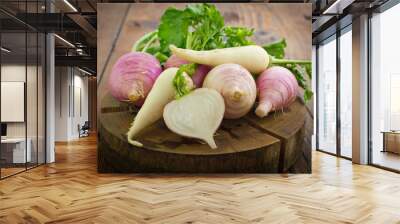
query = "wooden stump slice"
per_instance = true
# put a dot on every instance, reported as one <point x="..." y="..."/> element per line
<point x="247" y="145"/>
<point x="292" y="127"/>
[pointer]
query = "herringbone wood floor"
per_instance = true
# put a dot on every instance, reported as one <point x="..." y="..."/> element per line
<point x="71" y="191"/>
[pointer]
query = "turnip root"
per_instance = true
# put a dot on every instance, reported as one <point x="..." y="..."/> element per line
<point x="236" y="85"/>
<point x="277" y="88"/>
<point x="132" y="77"/>
<point x="254" y="58"/>
<point x="175" y="61"/>
<point x="162" y="93"/>
<point x="196" y="115"/>
<point x="199" y="74"/>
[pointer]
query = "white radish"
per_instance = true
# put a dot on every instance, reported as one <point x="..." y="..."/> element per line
<point x="196" y="115"/>
<point x="160" y="95"/>
<point x="236" y="85"/>
<point x="254" y="58"/>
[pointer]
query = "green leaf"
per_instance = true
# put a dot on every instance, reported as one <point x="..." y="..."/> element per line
<point x="173" y="29"/>
<point x="308" y="95"/>
<point x="237" y="36"/>
<point x="276" y="49"/>
<point x="197" y="27"/>
<point x="308" y="70"/>
<point x="206" y="24"/>
<point x="179" y="81"/>
<point x="190" y="69"/>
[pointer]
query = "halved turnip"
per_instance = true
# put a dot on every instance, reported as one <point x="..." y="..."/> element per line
<point x="196" y="115"/>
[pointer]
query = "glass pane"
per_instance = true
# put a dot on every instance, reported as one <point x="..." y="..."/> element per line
<point x="385" y="84"/>
<point x="327" y="97"/>
<point x="31" y="98"/>
<point x="23" y="90"/>
<point x="346" y="94"/>
<point x="13" y="86"/>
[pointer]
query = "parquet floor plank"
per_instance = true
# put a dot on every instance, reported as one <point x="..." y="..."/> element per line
<point x="71" y="191"/>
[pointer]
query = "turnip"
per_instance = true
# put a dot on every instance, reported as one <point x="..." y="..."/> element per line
<point x="152" y="110"/>
<point x="254" y="58"/>
<point x="175" y="61"/>
<point x="277" y="88"/>
<point x="236" y="85"/>
<point x="196" y="115"/>
<point x="132" y="77"/>
<point x="199" y="74"/>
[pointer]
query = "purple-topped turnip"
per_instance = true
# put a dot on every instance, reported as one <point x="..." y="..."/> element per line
<point x="132" y="77"/>
<point x="278" y="88"/>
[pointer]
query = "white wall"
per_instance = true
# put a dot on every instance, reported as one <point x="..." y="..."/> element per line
<point x="71" y="94"/>
<point x="13" y="73"/>
<point x="10" y="73"/>
<point x="33" y="127"/>
<point x="81" y="82"/>
<point x="62" y="81"/>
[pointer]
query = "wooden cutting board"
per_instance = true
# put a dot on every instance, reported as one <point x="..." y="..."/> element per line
<point x="247" y="145"/>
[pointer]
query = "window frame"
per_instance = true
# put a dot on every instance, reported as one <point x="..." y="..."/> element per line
<point x="27" y="29"/>
<point x="334" y="37"/>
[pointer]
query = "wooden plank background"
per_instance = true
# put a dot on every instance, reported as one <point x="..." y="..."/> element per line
<point x="120" y="25"/>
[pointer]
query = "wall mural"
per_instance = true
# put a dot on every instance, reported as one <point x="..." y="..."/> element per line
<point x="204" y="88"/>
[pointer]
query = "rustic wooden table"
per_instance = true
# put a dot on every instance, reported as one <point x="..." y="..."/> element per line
<point x="120" y="25"/>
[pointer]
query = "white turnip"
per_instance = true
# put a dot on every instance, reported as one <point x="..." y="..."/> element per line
<point x="236" y="85"/>
<point x="254" y="58"/>
<point x="196" y="115"/>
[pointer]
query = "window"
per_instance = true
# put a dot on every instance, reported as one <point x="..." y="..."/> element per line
<point x="333" y="137"/>
<point x="327" y="96"/>
<point x="22" y="76"/>
<point x="346" y="93"/>
<point x="385" y="89"/>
